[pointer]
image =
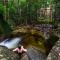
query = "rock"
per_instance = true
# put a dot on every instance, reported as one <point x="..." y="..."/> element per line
<point x="33" y="54"/>
<point x="6" y="54"/>
<point x="25" y="57"/>
<point x="55" y="52"/>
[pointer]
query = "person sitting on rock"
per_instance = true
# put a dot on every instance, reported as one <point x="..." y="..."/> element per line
<point x="20" y="50"/>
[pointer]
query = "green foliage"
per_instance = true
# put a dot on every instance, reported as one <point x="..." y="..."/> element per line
<point x="23" y="11"/>
<point x="4" y="27"/>
<point x="17" y="12"/>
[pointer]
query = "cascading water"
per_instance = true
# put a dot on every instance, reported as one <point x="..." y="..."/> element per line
<point x="11" y="43"/>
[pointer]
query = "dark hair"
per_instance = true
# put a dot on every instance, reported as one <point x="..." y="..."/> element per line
<point x="19" y="47"/>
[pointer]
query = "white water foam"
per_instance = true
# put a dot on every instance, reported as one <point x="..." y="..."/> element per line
<point x="13" y="43"/>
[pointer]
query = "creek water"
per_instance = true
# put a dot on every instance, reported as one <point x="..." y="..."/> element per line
<point x="11" y="42"/>
<point x="32" y="54"/>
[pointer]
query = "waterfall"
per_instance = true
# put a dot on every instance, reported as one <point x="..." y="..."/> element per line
<point x="11" y="43"/>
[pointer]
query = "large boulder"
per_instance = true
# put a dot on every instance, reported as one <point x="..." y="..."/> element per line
<point x="6" y="54"/>
<point x="33" y="54"/>
<point x="55" y="52"/>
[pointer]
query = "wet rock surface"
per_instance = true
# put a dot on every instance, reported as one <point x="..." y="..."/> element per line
<point x="55" y="52"/>
<point x="6" y="54"/>
<point x="33" y="54"/>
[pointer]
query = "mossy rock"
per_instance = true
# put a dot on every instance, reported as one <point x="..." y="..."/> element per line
<point x="54" y="52"/>
<point x="34" y="40"/>
<point x="6" y="54"/>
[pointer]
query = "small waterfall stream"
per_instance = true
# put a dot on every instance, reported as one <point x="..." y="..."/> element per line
<point x="11" y="42"/>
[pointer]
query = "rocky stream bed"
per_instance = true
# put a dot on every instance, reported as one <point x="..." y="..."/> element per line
<point x="34" y="40"/>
